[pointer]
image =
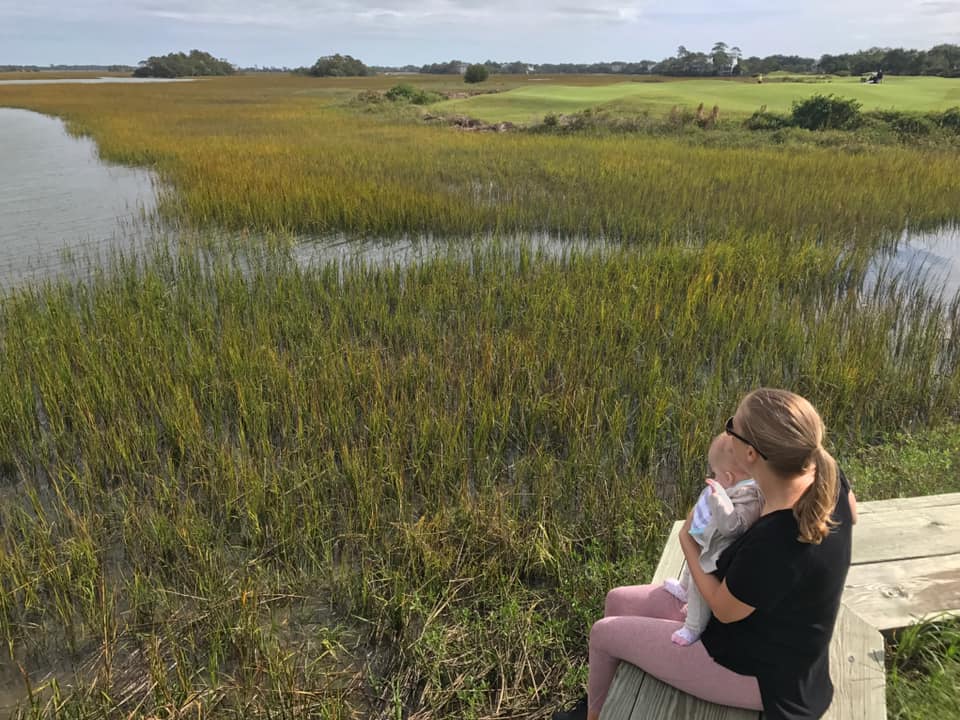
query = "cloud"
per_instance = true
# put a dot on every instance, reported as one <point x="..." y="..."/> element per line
<point x="396" y="31"/>
<point x="939" y="7"/>
<point x="293" y="12"/>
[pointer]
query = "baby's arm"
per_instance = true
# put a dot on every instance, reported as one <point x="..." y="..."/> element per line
<point x="732" y="519"/>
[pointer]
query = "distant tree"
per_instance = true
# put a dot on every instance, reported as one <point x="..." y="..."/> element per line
<point x="196" y="64"/>
<point x="476" y="73"/>
<point x="447" y="68"/>
<point x="942" y="60"/>
<point x="686" y="63"/>
<point x="720" y="57"/>
<point x="834" y="64"/>
<point x="516" y="67"/>
<point x="897" y="61"/>
<point x="339" y="66"/>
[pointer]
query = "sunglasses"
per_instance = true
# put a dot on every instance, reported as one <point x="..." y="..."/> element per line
<point x="730" y="431"/>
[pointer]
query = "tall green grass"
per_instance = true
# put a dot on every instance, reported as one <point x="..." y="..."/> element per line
<point x="228" y="478"/>
<point x="271" y="154"/>
<point x="237" y="486"/>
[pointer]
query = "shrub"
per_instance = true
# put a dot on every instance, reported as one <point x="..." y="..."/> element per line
<point x="826" y="112"/>
<point x="907" y="124"/>
<point x="950" y="119"/>
<point x="762" y="119"/>
<point x="706" y="121"/>
<point x="404" y="92"/>
<point x="680" y="116"/>
<point x="476" y="73"/>
<point x="370" y="97"/>
<point x="904" y="123"/>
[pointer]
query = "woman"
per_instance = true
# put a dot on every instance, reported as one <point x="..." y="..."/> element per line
<point x="776" y="591"/>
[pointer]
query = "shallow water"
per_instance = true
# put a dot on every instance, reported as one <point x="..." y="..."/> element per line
<point x="389" y="252"/>
<point x="933" y="256"/>
<point x="57" y="197"/>
<point x="61" y="207"/>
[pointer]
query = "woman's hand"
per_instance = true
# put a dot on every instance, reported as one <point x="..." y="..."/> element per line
<point x="691" y="551"/>
<point x="687" y="524"/>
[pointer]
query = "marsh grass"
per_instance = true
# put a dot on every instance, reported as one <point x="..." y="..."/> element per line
<point x="240" y="487"/>
<point x="923" y="671"/>
<point x="281" y="154"/>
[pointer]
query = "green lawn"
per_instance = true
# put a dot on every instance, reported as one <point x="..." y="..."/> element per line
<point x="735" y="97"/>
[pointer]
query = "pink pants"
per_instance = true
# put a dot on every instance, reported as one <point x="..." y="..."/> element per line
<point x="636" y="627"/>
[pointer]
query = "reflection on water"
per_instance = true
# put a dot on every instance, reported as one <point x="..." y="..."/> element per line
<point x="347" y="251"/>
<point x="56" y="194"/>
<point x="933" y="256"/>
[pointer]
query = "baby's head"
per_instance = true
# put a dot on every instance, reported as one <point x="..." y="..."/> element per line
<point x="720" y="457"/>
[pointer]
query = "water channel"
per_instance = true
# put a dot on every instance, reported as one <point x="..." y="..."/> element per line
<point x="62" y="207"/>
<point x="58" y="198"/>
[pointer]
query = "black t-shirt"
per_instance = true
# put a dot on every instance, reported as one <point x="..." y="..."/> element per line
<point x="796" y="589"/>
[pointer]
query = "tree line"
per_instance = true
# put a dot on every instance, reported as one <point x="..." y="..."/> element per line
<point x="722" y="59"/>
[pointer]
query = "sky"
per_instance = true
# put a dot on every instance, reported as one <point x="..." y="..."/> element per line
<point x="294" y="33"/>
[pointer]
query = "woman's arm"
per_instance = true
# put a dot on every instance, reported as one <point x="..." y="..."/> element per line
<point x="724" y="606"/>
<point x="853" y="506"/>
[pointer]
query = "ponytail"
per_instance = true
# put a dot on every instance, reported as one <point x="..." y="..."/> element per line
<point x="790" y="432"/>
<point x="814" y="508"/>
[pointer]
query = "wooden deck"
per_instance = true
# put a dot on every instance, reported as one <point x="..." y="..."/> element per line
<point x="905" y="567"/>
<point x="906" y="560"/>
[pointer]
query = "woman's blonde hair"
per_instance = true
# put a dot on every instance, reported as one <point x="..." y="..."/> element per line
<point x="789" y="431"/>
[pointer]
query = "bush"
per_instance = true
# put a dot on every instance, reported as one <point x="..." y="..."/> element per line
<point x="904" y="123"/>
<point x="404" y="92"/>
<point x="826" y="112"/>
<point x="680" y="116"/>
<point x="370" y="97"/>
<point x="762" y="119"/>
<point x="907" y="124"/>
<point x="950" y="119"/>
<point x="476" y="73"/>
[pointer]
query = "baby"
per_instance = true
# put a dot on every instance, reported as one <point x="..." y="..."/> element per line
<point x="729" y="504"/>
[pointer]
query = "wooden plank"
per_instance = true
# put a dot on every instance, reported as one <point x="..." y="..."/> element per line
<point x="901" y="534"/>
<point x="896" y="594"/>
<point x="907" y="504"/>
<point x="857" y="670"/>
<point x="671" y="561"/>
<point x="622" y="696"/>
<point x="657" y="700"/>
